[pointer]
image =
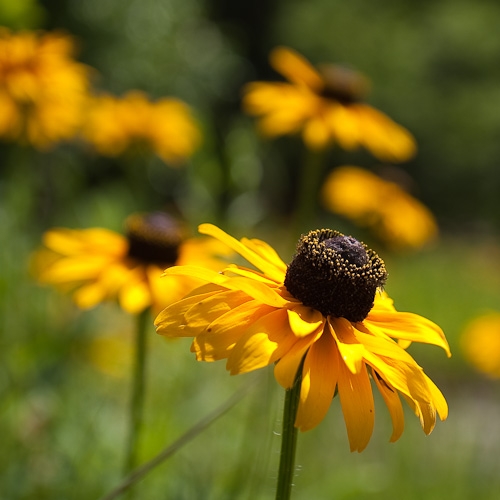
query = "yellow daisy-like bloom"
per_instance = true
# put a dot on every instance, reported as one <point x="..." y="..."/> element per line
<point x="323" y="312"/>
<point x="43" y="90"/>
<point x="166" y="126"/>
<point x="325" y="105"/>
<point x="480" y="344"/>
<point x="98" y="264"/>
<point x="396" y="217"/>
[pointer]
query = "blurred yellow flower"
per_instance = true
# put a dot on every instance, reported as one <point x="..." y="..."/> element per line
<point x="325" y="310"/>
<point x="97" y="264"/>
<point x="396" y="217"/>
<point x="114" y="125"/>
<point x="480" y="343"/>
<point x="43" y="90"/>
<point x="325" y="105"/>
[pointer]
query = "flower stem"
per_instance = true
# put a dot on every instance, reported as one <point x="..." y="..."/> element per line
<point x="137" y="397"/>
<point x="288" y="440"/>
<point x="310" y="178"/>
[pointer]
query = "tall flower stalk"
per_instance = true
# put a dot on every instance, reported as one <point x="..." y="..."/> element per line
<point x="288" y="441"/>
<point x="136" y="409"/>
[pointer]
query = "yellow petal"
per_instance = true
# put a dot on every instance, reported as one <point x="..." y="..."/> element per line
<point x="286" y="368"/>
<point x="265" y="341"/>
<point x="295" y="68"/>
<point x="356" y="398"/>
<point x="438" y="399"/>
<point x="134" y="297"/>
<point x="407" y="326"/>
<point x="266" y="251"/>
<point x="319" y="379"/>
<point x="220" y="336"/>
<point x="387" y="140"/>
<point x="171" y="322"/>
<point x="350" y="349"/>
<point x="305" y="320"/>
<point x="89" y="295"/>
<point x="316" y="134"/>
<point x="394" y="406"/>
<point x="269" y="269"/>
<point x="254" y="288"/>
<point x="206" y="310"/>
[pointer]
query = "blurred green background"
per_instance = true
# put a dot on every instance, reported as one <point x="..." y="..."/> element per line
<point x="434" y="68"/>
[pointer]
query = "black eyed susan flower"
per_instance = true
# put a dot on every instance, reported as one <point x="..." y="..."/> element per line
<point x="166" y="127"/>
<point x="98" y="264"/>
<point x="43" y="90"/>
<point x="326" y="106"/>
<point x="326" y="312"/>
<point x="395" y="216"/>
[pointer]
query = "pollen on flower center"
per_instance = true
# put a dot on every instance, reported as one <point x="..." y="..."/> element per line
<point x="335" y="274"/>
<point x="154" y="238"/>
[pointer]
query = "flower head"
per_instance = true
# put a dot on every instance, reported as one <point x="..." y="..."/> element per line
<point x="480" y="344"/>
<point x="325" y="105"/>
<point x="43" y="90"/>
<point x="325" y="312"/>
<point x="166" y="126"/>
<point x="98" y="264"/>
<point x="396" y="217"/>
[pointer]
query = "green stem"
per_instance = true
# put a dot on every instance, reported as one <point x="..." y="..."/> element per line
<point x="310" y="178"/>
<point x="289" y="440"/>
<point x="138" y="386"/>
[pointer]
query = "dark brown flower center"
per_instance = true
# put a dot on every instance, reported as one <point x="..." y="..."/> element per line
<point x="335" y="274"/>
<point x="343" y="84"/>
<point x="154" y="238"/>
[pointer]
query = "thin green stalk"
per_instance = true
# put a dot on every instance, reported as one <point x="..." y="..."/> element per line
<point x="288" y="440"/>
<point x="139" y="473"/>
<point x="138" y="388"/>
<point x="312" y="170"/>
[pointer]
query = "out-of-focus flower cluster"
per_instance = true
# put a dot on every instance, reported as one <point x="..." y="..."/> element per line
<point x="114" y="125"/>
<point x="396" y="217"/>
<point x="46" y="97"/>
<point x="43" y="90"/>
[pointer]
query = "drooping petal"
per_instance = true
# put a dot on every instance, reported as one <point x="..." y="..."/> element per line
<point x="407" y="326"/>
<point x="393" y="404"/>
<point x="351" y="350"/>
<point x="358" y="407"/>
<point x="265" y="341"/>
<point x="305" y="320"/>
<point x="220" y="336"/>
<point x="135" y="296"/>
<point x="206" y="310"/>
<point x="171" y="322"/>
<point x="286" y="368"/>
<point x="295" y="68"/>
<point x="386" y="139"/>
<point x="268" y="268"/>
<point x="319" y="379"/>
<point x="438" y="399"/>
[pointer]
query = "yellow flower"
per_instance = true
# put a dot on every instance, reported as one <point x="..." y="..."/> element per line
<point x="480" y="344"/>
<point x="324" y="310"/>
<point x="395" y="216"/>
<point x="166" y="126"/>
<point x="325" y="105"/>
<point x="98" y="264"/>
<point x="43" y="90"/>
